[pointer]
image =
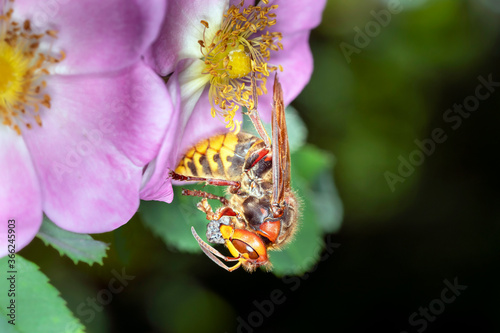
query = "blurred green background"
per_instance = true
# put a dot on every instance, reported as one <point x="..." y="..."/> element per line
<point x="368" y="101"/>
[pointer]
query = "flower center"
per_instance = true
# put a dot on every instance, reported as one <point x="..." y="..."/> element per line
<point x="236" y="58"/>
<point x="22" y="70"/>
<point x="6" y="70"/>
<point x="239" y="63"/>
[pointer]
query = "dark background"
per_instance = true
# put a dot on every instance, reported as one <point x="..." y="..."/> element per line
<point x="396" y="248"/>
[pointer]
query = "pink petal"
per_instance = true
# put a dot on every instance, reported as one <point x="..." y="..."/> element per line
<point x="296" y="59"/>
<point x="294" y="20"/>
<point x="192" y="124"/>
<point x="156" y="182"/>
<point x="292" y="15"/>
<point x="181" y="30"/>
<point x="296" y="16"/>
<point x="96" y="35"/>
<point x="201" y="125"/>
<point x="94" y="143"/>
<point x="20" y="197"/>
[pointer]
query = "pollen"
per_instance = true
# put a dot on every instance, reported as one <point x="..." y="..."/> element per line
<point x="237" y="59"/>
<point x="23" y="69"/>
<point x="239" y="63"/>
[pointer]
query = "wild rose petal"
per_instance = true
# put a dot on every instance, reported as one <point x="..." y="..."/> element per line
<point x="96" y="35"/>
<point x="297" y="64"/>
<point x="295" y="16"/>
<point x="156" y="181"/>
<point x="95" y="140"/>
<point x="181" y="30"/>
<point x="20" y="197"/>
<point x="190" y="125"/>
<point x="294" y="20"/>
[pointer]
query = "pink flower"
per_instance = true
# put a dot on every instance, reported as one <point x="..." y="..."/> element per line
<point x="80" y="113"/>
<point x="213" y="70"/>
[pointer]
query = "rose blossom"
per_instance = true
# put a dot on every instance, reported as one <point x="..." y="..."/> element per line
<point x="81" y="114"/>
<point x="216" y="48"/>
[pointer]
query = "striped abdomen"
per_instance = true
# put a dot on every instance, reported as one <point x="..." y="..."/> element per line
<point x="221" y="156"/>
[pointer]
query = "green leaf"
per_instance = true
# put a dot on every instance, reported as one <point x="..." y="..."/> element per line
<point x="38" y="306"/>
<point x="173" y="222"/>
<point x="316" y="166"/>
<point x="327" y="203"/>
<point x="321" y="211"/>
<point x="309" y="162"/>
<point x="78" y="247"/>
<point x="303" y="251"/>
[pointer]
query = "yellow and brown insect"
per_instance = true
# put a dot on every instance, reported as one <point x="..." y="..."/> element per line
<point x="261" y="211"/>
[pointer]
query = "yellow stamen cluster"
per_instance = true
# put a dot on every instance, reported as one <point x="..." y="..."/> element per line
<point x="237" y="58"/>
<point x="22" y="69"/>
